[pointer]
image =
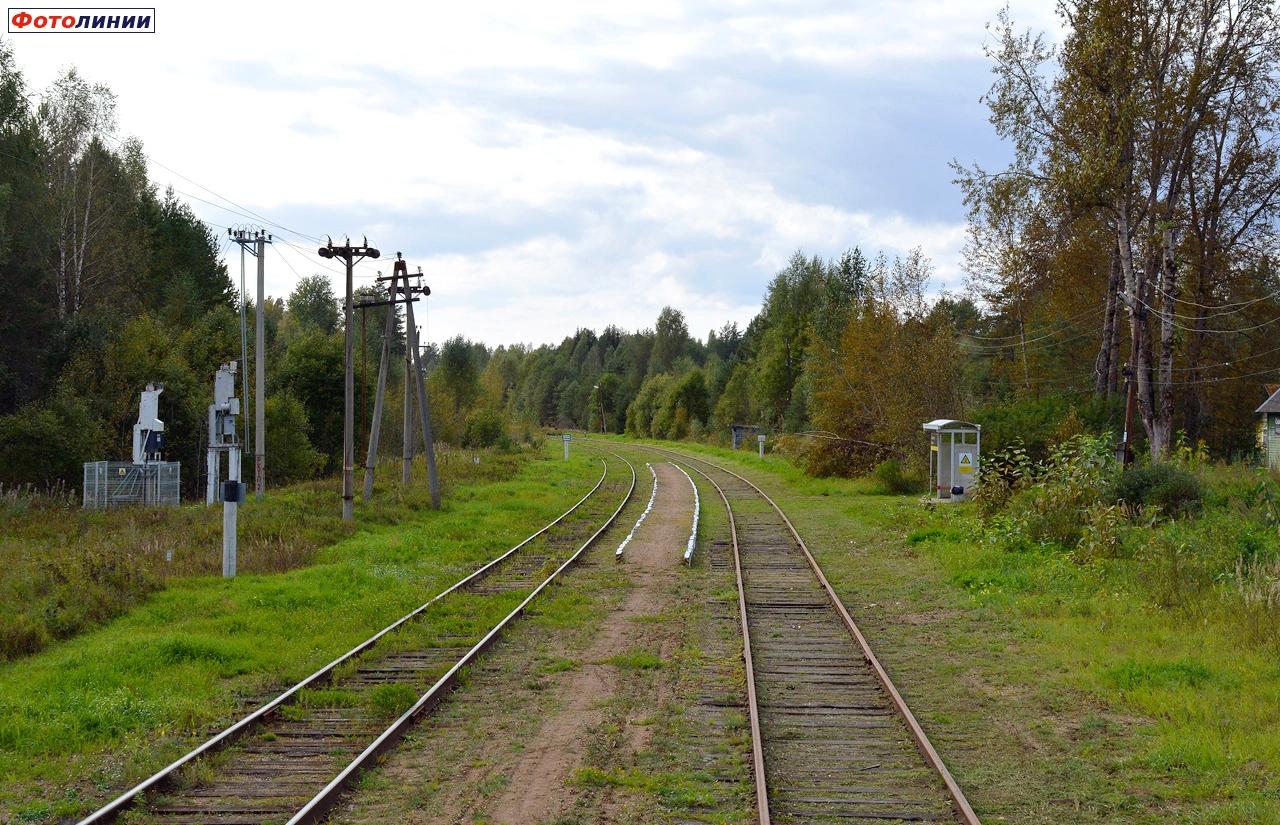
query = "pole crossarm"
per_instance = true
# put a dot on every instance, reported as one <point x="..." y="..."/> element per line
<point x="367" y="304"/>
<point x="349" y="253"/>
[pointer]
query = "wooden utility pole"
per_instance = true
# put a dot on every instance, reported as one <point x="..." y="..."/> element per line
<point x="350" y="255"/>
<point x="400" y="292"/>
<point x="1124" y="453"/>
<point x="410" y="345"/>
<point x="424" y="411"/>
<point x="375" y="427"/>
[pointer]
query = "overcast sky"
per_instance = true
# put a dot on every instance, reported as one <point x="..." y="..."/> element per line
<point x="562" y="164"/>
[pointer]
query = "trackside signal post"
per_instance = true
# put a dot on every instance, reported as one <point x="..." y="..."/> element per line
<point x="566" y="437"/>
<point x="223" y="439"/>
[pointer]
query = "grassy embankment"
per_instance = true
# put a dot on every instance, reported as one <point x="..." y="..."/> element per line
<point x="1138" y="685"/>
<point x="90" y="714"/>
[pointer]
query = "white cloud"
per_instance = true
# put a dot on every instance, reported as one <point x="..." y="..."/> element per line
<point x="387" y="119"/>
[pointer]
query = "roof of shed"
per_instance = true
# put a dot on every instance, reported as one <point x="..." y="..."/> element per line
<point x="1271" y="405"/>
<point x="946" y="424"/>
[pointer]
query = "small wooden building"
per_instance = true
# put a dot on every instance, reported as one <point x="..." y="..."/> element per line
<point x="1269" y="428"/>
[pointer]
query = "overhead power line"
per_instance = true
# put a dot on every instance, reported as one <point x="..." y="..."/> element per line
<point x="1065" y="322"/>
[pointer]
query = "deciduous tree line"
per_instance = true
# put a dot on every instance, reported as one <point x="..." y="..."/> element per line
<point x="1136" y="224"/>
<point x="1139" y="211"/>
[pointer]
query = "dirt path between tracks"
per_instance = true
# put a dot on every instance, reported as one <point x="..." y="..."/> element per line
<point x="537" y="790"/>
<point x="574" y="686"/>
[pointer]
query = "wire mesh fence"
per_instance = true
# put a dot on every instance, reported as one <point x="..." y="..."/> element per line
<point x="121" y="483"/>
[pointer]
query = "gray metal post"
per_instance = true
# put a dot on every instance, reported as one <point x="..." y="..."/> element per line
<point x="424" y="412"/>
<point x="214" y="466"/>
<point x="229" y="509"/>
<point x="375" y="426"/>
<point x="259" y="372"/>
<point x="760" y="441"/>
<point x="565" y="439"/>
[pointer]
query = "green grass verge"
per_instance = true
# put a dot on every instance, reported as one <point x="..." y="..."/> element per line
<point x="96" y="712"/>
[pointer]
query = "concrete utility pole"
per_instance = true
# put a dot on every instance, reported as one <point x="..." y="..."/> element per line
<point x="259" y="239"/>
<point x="350" y="255"/>
<point x="244" y="343"/>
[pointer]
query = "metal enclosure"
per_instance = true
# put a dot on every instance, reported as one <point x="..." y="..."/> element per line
<point x="118" y="483"/>
<point x="954" y="452"/>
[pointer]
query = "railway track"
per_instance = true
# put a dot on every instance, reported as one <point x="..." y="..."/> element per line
<point x="290" y="760"/>
<point x="833" y="740"/>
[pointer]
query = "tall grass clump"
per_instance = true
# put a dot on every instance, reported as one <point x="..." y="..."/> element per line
<point x="1193" y="536"/>
<point x="64" y="569"/>
<point x="893" y="478"/>
<point x="1168" y="486"/>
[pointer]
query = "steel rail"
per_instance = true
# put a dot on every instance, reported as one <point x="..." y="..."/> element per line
<point x="115" y="807"/>
<point x="753" y="711"/>
<point x="324" y="801"/>
<point x="958" y="800"/>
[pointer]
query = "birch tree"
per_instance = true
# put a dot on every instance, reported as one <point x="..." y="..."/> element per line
<point x="75" y="116"/>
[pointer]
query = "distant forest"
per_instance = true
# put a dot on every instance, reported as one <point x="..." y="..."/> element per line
<point x="1133" y="234"/>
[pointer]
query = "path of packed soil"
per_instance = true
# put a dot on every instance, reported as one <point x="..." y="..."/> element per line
<point x="537" y="790"/>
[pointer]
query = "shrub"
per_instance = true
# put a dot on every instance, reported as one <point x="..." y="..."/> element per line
<point x="484" y="428"/>
<point x="1000" y="474"/>
<point x="1171" y="488"/>
<point x="1052" y="513"/>
<point x="292" y="456"/>
<point x="1046" y="501"/>
<point x="1103" y="532"/>
<point x="894" y="479"/>
<point x="49" y="442"/>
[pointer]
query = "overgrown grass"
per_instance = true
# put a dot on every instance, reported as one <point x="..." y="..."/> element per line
<point x="105" y="708"/>
<point x="64" y="569"/>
